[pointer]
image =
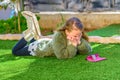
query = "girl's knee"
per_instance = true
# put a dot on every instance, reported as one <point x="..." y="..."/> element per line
<point x="14" y="51"/>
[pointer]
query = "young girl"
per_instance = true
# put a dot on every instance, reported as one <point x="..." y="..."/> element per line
<point x="67" y="42"/>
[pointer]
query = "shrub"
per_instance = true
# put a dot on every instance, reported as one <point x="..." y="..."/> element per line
<point x="11" y="25"/>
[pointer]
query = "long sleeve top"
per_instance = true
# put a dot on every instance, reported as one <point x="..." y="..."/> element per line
<point x="59" y="46"/>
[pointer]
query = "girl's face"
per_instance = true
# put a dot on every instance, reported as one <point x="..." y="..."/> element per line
<point x="75" y="33"/>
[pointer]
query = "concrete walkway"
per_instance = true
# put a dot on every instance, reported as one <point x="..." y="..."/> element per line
<point x="97" y="39"/>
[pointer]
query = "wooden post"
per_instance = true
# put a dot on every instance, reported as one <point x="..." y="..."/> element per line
<point x="18" y="10"/>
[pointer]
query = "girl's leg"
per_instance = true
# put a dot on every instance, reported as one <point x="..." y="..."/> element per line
<point x="32" y="40"/>
<point x="21" y="48"/>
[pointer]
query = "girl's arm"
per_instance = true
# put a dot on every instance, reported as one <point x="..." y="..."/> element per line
<point x="61" y="48"/>
<point x="84" y="47"/>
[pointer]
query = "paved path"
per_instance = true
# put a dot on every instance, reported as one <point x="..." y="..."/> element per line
<point x="97" y="39"/>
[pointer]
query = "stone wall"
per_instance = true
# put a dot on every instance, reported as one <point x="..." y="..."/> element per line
<point x="93" y="13"/>
<point x="71" y="5"/>
<point x="91" y="21"/>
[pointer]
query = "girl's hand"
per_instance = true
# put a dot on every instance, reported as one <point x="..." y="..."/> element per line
<point x="74" y="40"/>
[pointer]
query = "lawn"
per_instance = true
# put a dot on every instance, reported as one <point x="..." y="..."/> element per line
<point x="51" y="68"/>
<point x="111" y="30"/>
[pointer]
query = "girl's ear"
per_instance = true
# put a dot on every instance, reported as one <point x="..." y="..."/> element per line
<point x="67" y="32"/>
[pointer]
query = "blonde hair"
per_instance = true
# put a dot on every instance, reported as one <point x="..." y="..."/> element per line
<point x="69" y="26"/>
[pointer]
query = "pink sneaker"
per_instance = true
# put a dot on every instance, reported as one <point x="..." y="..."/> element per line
<point x="94" y="58"/>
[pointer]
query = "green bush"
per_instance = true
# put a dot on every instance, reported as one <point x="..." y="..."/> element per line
<point x="11" y="25"/>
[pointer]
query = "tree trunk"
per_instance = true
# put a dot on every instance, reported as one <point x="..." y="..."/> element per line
<point x="18" y="10"/>
<point x="19" y="28"/>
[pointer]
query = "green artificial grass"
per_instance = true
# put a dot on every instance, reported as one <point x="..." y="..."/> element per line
<point x="51" y="68"/>
<point x="112" y="30"/>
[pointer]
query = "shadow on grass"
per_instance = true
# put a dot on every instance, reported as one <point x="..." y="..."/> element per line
<point x="11" y="57"/>
<point x="8" y="57"/>
<point x="51" y="68"/>
<point x="7" y="44"/>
